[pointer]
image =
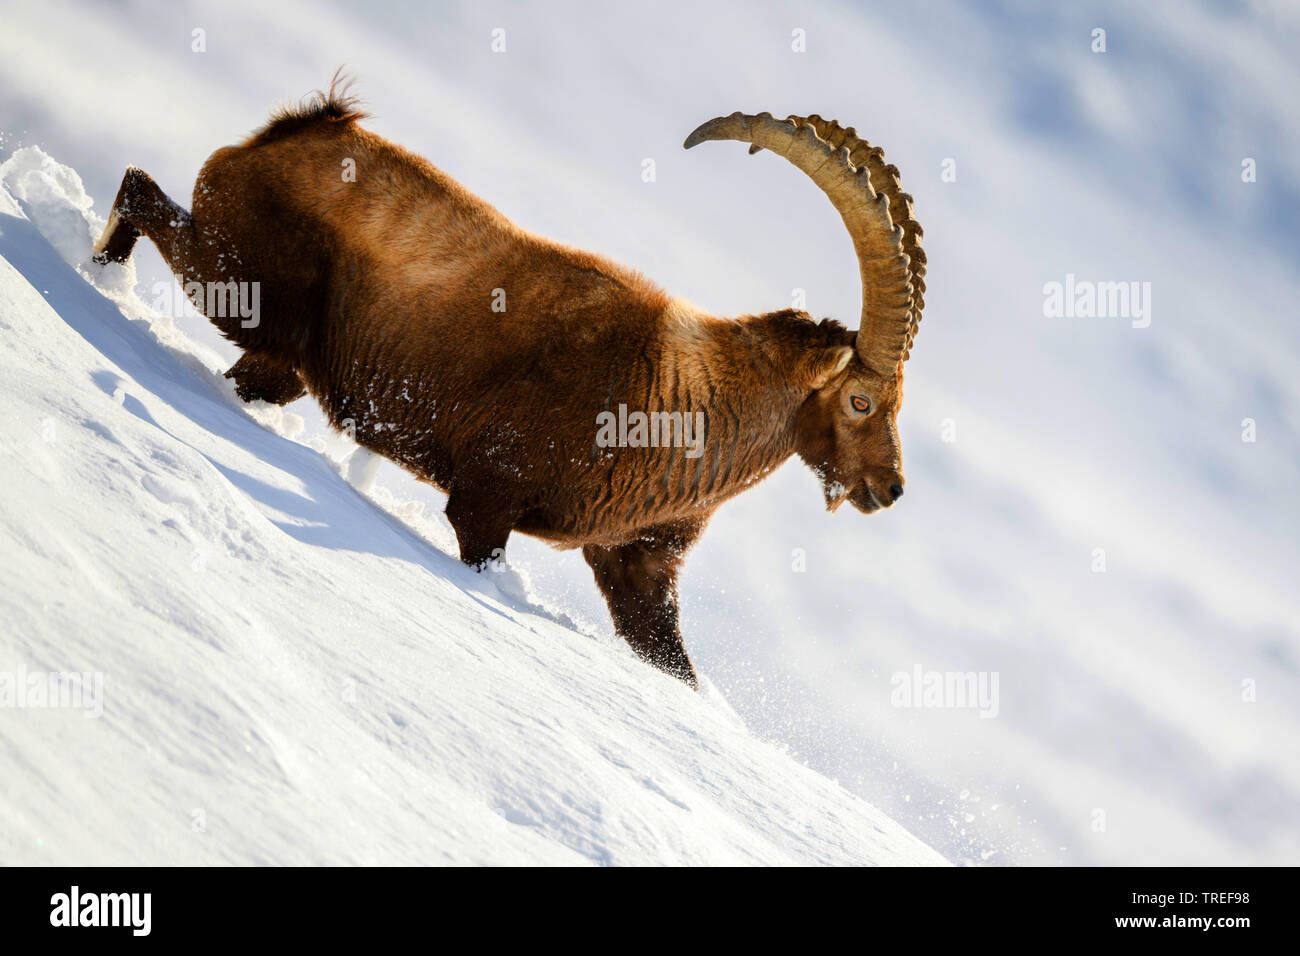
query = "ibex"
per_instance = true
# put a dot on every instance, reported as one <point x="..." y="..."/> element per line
<point x="488" y="360"/>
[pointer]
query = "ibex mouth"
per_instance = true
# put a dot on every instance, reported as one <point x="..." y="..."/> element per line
<point x="864" y="499"/>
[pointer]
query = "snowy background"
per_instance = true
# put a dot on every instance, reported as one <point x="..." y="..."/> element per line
<point x="1147" y="714"/>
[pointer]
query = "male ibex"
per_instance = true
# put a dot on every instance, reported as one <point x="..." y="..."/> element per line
<point x="377" y="294"/>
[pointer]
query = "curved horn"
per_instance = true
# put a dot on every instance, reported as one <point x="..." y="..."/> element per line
<point x="885" y="179"/>
<point x="887" y="292"/>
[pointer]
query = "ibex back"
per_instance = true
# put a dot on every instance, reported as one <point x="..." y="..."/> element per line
<point x="547" y="390"/>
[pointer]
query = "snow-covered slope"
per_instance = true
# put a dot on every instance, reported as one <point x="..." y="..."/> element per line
<point x="291" y="673"/>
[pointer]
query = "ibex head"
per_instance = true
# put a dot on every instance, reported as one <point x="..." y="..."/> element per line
<point x="847" y="430"/>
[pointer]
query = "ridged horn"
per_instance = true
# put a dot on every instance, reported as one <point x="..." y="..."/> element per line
<point x="884" y="179"/>
<point x="888" y="298"/>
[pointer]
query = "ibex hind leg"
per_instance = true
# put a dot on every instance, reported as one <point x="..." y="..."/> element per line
<point x="118" y="240"/>
<point x="142" y="208"/>
<point x="258" y="377"/>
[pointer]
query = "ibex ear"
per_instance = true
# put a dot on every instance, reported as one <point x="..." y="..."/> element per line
<point x="824" y="364"/>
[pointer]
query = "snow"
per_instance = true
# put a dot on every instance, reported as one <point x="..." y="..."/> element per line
<point x="289" y="673"/>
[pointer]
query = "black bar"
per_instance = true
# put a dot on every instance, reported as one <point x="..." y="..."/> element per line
<point x="330" y="905"/>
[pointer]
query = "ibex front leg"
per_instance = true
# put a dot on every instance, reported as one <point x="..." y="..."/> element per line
<point x="639" y="581"/>
<point x="142" y="207"/>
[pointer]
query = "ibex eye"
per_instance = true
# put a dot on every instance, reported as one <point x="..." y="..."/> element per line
<point x="861" y="404"/>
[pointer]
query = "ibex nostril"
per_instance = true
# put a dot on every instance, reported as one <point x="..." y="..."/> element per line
<point x="895" y="491"/>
